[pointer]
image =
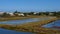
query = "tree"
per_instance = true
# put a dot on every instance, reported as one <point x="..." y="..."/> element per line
<point x="46" y="13"/>
<point x="58" y="14"/>
<point x="16" y="13"/>
<point x="5" y="14"/>
<point x="42" y="13"/>
<point x="25" y="14"/>
<point x="54" y="13"/>
<point x="31" y="13"/>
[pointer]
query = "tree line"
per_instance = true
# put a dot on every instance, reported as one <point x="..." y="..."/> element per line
<point x="56" y="13"/>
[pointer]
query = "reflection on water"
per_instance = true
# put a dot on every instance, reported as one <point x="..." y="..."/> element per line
<point x="20" y="21"/>
<point x="54" y="25"/>
<point x="23" y="21"/>
<point x="3" y="31"/>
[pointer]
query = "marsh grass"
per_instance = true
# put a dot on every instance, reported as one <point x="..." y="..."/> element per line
<point x="34" y="27"/>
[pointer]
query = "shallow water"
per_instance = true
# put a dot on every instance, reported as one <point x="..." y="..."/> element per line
<point x="3" y="31"/>
<point x="20" y="21"/>
<point x="53" y="25"/>
<point x="23" y="21"/>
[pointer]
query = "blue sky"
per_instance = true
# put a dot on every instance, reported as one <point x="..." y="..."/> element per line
<point x="29" y="5"/>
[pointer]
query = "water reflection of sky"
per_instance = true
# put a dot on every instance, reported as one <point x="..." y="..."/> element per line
<point x="55" y="23"/>
<point x="20" y="21"/>
<point x="3" y="31"/>
<point x="24" y="21"/>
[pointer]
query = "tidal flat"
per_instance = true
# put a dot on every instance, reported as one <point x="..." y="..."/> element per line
<point x="34" y="27"/>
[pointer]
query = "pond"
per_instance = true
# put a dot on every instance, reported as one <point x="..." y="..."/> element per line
<point x="23" y="21"/>
<point x="4" y="31"/>
<point x="53" y="25"/>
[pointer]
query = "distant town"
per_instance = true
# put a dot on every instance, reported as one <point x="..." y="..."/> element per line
<point x="17" y="13"/>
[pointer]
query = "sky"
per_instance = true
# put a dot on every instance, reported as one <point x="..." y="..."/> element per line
<point x="29" y="5"/>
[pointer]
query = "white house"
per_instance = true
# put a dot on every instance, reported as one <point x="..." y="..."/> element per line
<point x="11" y="14"/>
<point x="34" y="13"/>
<point x="50" y="13"/>
<point x="21" y="14"/>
